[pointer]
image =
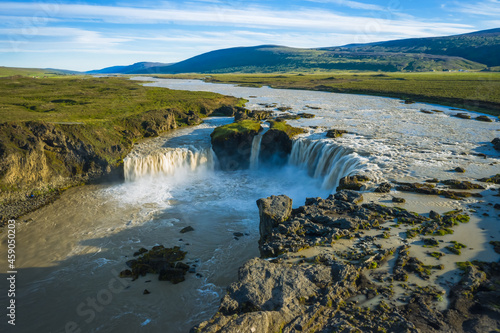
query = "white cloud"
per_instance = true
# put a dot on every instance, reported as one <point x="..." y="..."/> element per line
<point x="352" y="4"/>
<point x="319" y="20"/>
<point x="482" y="8"/>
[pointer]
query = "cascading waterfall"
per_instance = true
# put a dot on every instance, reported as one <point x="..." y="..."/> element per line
<point x="323" y="159"/>
<point x="254" y="156"/>
<point x="169" y="161"/>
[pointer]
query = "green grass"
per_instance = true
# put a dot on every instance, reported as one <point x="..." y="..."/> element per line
<point x="93" y="100"/>
<point x="283" y="126"/>
<point x="242" y="126"/>
<point x="479" y="91"/>
<point x="12" y="71"/>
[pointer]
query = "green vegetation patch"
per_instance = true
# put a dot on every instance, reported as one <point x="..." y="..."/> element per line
<point x="479" y="91"/>
<point x="94" y="100"/>
<point x="243" y="126"/>
<point x="456" y="247"/>
<point x="284" y="127"/>
<point x="436" y="254"/>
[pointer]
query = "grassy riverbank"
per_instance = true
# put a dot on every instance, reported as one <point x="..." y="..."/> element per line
<point x="478" y="91"/>
<point x="93" y="100"/>
<point x="59" y="132"/>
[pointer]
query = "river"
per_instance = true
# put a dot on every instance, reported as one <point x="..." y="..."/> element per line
<point x="70" y="252"/>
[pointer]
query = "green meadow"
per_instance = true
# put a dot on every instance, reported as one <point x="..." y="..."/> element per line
<point x="93" y="100"/>
<point x="478" y="91"/>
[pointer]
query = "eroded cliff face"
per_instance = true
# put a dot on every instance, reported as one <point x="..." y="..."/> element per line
<point x="39" y="159"/>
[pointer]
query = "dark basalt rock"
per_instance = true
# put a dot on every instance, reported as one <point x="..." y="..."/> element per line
<point x="273" y="211"/>
<point x="459" y="170"/>
<point x="398" y="200"/>
<point x="158" y="260"/>
<point x="383" y="188"/>
<point x="186" y="229"/>
<point x="496" y="143"/>
<point x="484" y="118"/>
<point x="462" y="115"/>
<point x="354" y="183"/>
<point x="462" y="185"/>
<point x="335" y="133"/>
<point x="431" y="190"/>
<point x="141" y="251"/>
<point x="242" y="114"/>
<point x="306" y="115"/>
<point x="494" y="179"/>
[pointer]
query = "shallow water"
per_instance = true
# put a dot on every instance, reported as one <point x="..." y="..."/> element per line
<point x="71" y="251"/>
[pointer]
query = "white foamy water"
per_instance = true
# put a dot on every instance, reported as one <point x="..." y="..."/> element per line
<point x="72" y="249"/>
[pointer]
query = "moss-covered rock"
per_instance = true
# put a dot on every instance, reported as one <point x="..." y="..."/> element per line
<point x="232" y="143"/>
<point x="159" y="260"/>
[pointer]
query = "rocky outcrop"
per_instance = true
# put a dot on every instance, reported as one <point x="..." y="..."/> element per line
<point x="258" y="115"/>
<point x="233" y="143"/>
<point x="273" y="211"/>
<point x="271" y="297"/>
<point x="296" y="293"/>
<point x="354" y="183"/>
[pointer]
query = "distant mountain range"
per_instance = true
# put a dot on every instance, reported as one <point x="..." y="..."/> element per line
<point x="474" y="51"/>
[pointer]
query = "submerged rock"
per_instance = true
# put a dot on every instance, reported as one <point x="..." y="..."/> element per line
<point x="496" y="143"/>
<point x="159" y="260"/>
<point x="462" y="115"/>
<point x="484" y="118"/>
<point x="186" y="229"/>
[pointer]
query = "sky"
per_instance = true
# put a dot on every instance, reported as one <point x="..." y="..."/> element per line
<point x="86" y="35"/>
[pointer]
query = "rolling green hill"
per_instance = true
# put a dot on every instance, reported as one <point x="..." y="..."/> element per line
<point x="40" y="72"/>
<point x="475" y="51"/>
<point x="482" y="46"/>
<point x="271" y="58"/>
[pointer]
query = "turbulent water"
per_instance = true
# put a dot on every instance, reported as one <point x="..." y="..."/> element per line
<point x="70" y="252"/>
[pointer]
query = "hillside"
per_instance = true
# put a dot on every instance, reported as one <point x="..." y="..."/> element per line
<point x="11" y="71"/>
<point x="139" y="67"/>
<point x="474" y="51"/>
<point x="482" y="46"/>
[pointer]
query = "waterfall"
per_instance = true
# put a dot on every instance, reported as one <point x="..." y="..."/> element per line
<point x="324" y="160"/>
<point x="168" y="161"/>
<point x="254" y="156"/>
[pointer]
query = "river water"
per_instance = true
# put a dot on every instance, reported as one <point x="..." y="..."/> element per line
<point x="69" y="253"/>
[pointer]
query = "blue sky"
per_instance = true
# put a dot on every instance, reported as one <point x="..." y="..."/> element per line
<point x="85" y="35"/>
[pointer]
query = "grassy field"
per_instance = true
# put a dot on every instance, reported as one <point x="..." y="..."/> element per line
<point x="31" y="72"/>
<point x="92" y="100"/>
<point x="479" y="91"/>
